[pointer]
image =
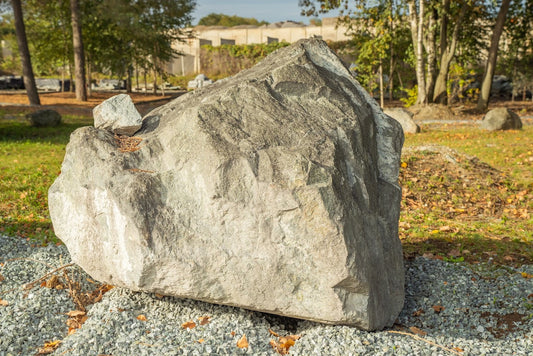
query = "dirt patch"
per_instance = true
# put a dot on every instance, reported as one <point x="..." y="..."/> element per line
<point x="505" y="324"/>
<point x="437" y="177"/>
<point x="66" y="103"/>
<point x="432" y="112"/>
<point x="457" y="207"/>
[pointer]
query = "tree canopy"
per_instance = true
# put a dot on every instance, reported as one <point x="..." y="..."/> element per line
<point x="228" y="21"/>
<point x="448" y="40"/>
<point x="117" y="34"/>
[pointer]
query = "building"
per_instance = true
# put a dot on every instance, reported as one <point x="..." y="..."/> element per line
<point x="288" y="31"/>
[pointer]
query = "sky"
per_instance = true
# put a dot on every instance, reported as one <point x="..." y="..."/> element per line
<point x="267" y="10"/>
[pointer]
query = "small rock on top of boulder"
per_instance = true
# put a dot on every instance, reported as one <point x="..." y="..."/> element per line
<point x="274" y="190"/>
<point x="118" y="115"/>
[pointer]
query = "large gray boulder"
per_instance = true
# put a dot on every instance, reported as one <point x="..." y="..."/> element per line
<point x="405" y="118"/>
<point x="44" y="118"/>
<point x="274" y="190"/>
<point x="118" y="115"/>
<point x="501" y="119"/>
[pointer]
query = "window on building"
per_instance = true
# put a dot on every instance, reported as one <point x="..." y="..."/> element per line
<point x="272" y="39"/>
<point x="205" y="42"/>
<point x="227" y="41"/>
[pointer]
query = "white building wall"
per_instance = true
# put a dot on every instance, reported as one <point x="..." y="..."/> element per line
<point x="247" y="35"/>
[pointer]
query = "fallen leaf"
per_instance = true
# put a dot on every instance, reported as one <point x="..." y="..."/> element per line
<point x="75" y="313"/>
<point x="526" y="275"/>
<point x="445" y="228"/>
<point x="243" y="342"/>
<point x="201" y="341"/>
<point x="141" y="317"/>
<point x="204" y="320"/>
<point x="433" y="232"/>
<point x="418" y="312"/>
<point x="438" y="308"/>
<point x="188" y="325"/>
<point x="417" y="331"/>
<point x="508" y="258"/>
<point x="4" y="303"/>
<point x="1" y="278"/>
<point x="159" y="296"/>
<point x="530" y="296"/>
<point x="232" y="333"/>
<point x="454" y="253"/>
<point x="284" y="343"/>
<point x="458" y="349"/>
<point x="404" y="165"/>
<point x="49" y="347"/>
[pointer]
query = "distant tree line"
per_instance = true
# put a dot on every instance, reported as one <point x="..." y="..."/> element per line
<point x="442" y="42"/>
<point x="228" y="21"/>
<point x="105" y="36"/>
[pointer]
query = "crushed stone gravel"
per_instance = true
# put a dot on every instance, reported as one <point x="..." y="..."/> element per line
<point x="450" y="308"/>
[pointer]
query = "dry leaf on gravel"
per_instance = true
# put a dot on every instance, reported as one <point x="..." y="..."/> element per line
<point x="75" y="320"/>
<point x="48" y="347"/>
<point x="243" y="342"/>
<point x="417" y="331"/>
<point x="141" y="317"/>
<point x="438" y="308"/>
<point x="418" y="312"/>
<point x="204" y="320"/>
<point x="188" y="325"/>
<point x="284" y="343"/>
<point x="4" y="303"/>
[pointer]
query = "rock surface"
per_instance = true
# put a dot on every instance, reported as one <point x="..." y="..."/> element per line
<point x="501" y="119"/>
<point x="405" y="118"/>
<point x="274" y="190"/>
<point x="44" y="118"/>
<point x="118" y="115"/>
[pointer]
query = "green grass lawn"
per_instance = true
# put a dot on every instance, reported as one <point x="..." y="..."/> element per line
<point x="452" y="213"/>
<point x="30" y="160"/>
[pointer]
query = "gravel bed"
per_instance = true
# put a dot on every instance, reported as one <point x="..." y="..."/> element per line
<point x="471" y="310"/>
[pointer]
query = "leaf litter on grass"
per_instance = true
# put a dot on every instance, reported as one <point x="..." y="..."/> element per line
<point x="458" y="207"/>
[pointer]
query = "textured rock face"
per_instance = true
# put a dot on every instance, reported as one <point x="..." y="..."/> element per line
<point x="405" y="118"/>
<point x="44" y="118"/>
<point x="118" y="114"/>
<point x="501" y="119"/>
<point x="274" y="190"/>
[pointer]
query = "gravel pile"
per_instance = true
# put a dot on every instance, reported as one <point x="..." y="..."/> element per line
<point x="481" y="310"/>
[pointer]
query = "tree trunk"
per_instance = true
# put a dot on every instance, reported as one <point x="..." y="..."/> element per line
<point x="129" y="79"/>
<point x="381" y="89"/>
<point x="27" y="71"/>
<point x="391" y="64"/>
<point x="432" y="57"/>
<point x="79" y="56"/>
<point x="417" y="27"/>
<point x="89" y="77"/>
<point x="447" y="54"/>
<point x="154" y="89"/>
<point x="145" y="81"/>
<point x="391" y="79"/>
<point x="486" y="84"/>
